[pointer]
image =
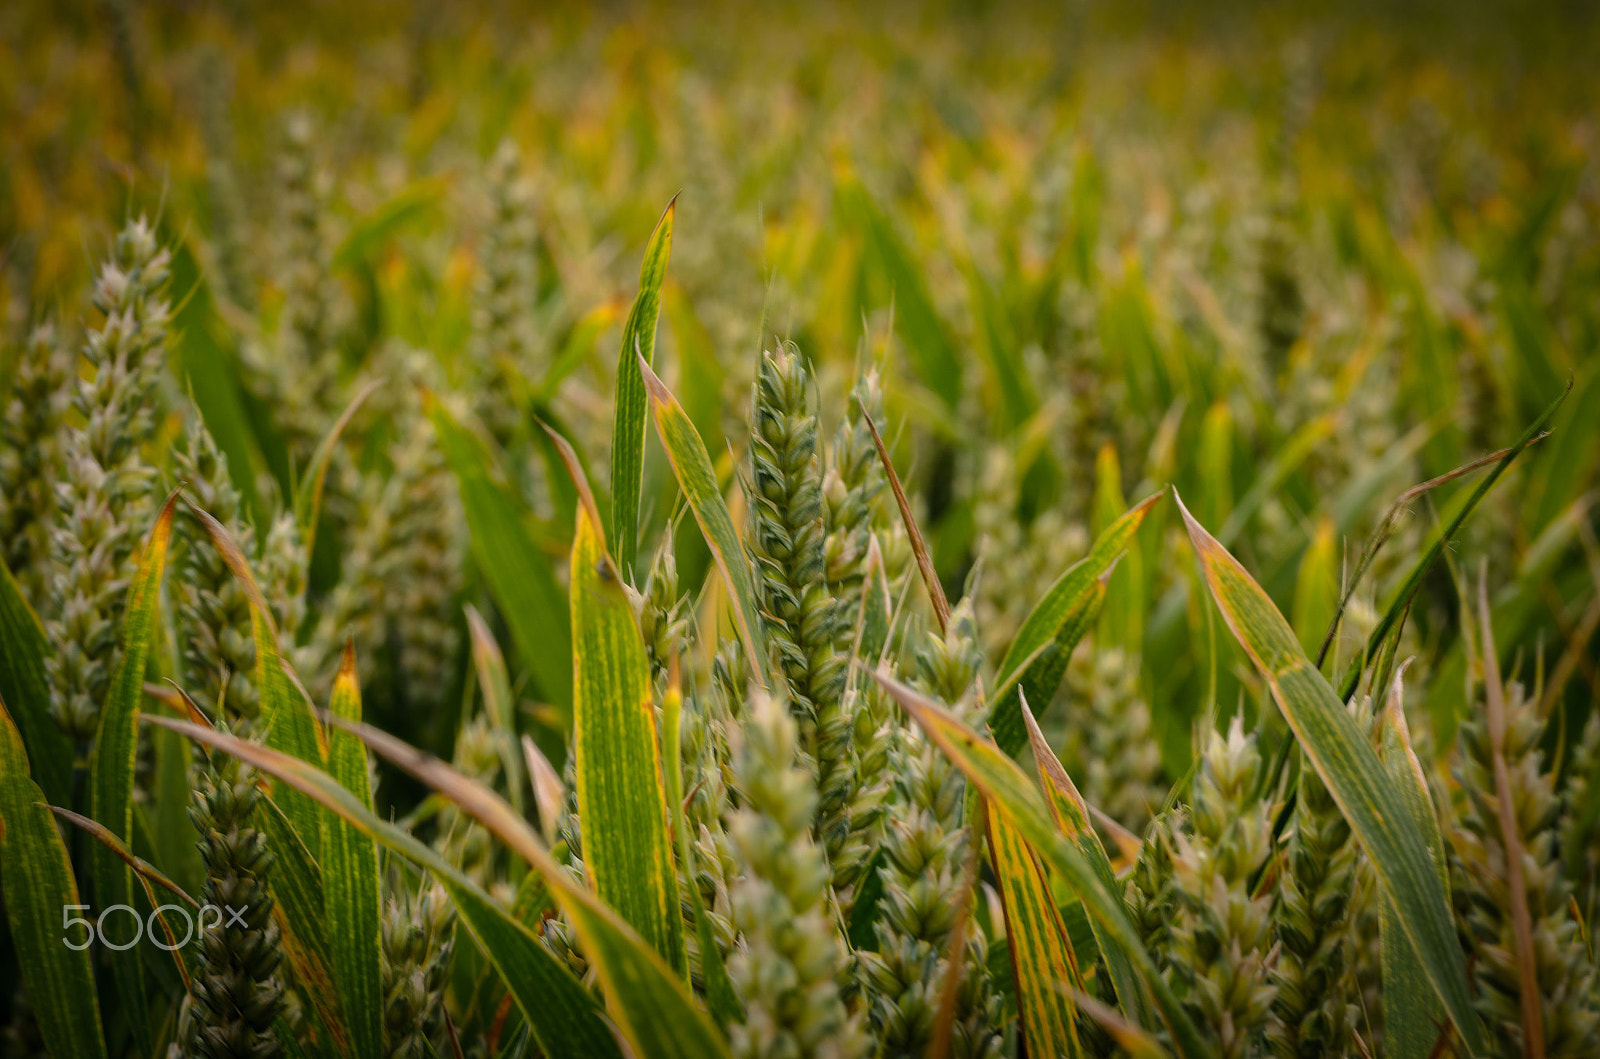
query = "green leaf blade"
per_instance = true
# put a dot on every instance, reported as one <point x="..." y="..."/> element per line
<point x="627" y="436"/>
<point x="1355" y="778"/>
<point x="25" y="689"/>
<point x="562" y="1014"/>
<point x="111" y="769"/>
<point x="38" y="884"/>
<point x="697" y="479"/>
<point x="1037" y="659"/>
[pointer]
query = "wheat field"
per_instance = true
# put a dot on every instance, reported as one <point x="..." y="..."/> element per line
<point x="960" y="530"/>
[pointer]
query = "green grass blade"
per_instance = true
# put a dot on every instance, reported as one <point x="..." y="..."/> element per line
<point x="1036" y="938"/>
<point x="1356" y="779"/>
<point x="519" y="574"/>
<point x="1401" y="600"/>
<point x="351" y="885"/>
<point x="562" y="1014"/>
<point x="650" y="1002"/>
<point x="626" y="847"/>
<point x="698" y="480"/>
<point x="627" y="435"/>
<point x="1002" y="780"/>
<point x="1071" y="814"/>
<point x="308" y="500"/>
<point x="25" y="689"/>
<point x="1037" y="658"/>
<point x="1412" y="1013"/>
<point x="286" y="717"/>
<point x="496" y="684"/>
<point x="39" y="889"/>
<point x="111" y="768"/>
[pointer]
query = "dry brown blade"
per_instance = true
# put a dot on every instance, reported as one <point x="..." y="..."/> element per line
<point x="955" y="961"/>
<point x="1521" y="921"/>
<point x="941" y="605"/>
<point x="450" y="1028"/>
<point x="141" y="867"/>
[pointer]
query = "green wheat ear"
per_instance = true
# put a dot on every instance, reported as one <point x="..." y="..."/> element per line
<point x="1221" y="934"/>
<point x="237" y="992"/>
<point x="789" y="963"/>
<point x="414" y="961"/>
<point x="1569" y="1002"/>
<point x="34" y="416"/>
<point x="215" y="638"/>
<point x="104" y="489"/>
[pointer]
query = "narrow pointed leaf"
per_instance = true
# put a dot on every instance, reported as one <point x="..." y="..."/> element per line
<point x="26" y="691"/>
<point x="1002" y="780"/>
<point x="698" y="480"/>
<point x="111" y="770"/>
<point x="1412" y="1012"/>
<point x="650" y="1002"/>
<point x="626" y="848"/>
<point x="627" y="435"/>
<point x="298" y="909"/>
<point x="308" y="500"/>
<point x="1071" y="815"/>
<point x="1037" y="660"/>
<point x="1401" y="601"/>
<point x="351" y="885"/>
<point x="562" y="1014"/>
<point x="519" y="574"/>
<point x="1041" y="955"/>
<point x="496" y="684"/>
<point x="39" y="891"/>
<point x="1355" y="778"/>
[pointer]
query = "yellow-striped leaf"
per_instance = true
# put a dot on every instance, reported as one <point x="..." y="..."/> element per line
<point x="649" y="1000"/>
<point x="112" y="765"/>
<point x="351" y="885"/>
<point x="627" y="434"/>
<point x="1037" y="658"/>
<point x="1356" y="779"/>
<point x="1071" y="814"/>
<point x="698" y="480"/>
<point x="1002" y="780"/>
<point x="626" y="847"/>
<point x="562" y="1014"/>
<point x="1041" y="955"/>
<point x="40" y="891"/>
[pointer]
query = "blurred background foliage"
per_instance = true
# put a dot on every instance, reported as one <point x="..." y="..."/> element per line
<point x="1290" y="262"/>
